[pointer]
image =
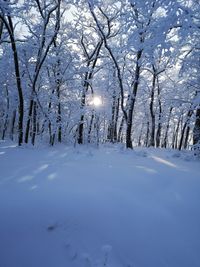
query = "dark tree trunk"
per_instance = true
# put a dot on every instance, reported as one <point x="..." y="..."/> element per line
<point x="175" y="135"/>
<point x="34" y="124"/>
<point x="6" y="114"/>
<point x="189" y="114"/>
<point x="159" y="129"/>
<point x="119" y="138"/>
<point x="13" y="124"/>
<point x="196" y="133"/>
<point x="1" y="28"/>
<point x="59" y="118"/>
<point x="9" y="26"/>
<point x="59" y="124"/>
<point x="147" y="135"/>
<point x="164" y="144"/>
<point x="185" y="145"/>
<point x="112" y="128"/>
<point x="131" y="103"/>
<point x="153" y="123"/>
<point x="90" y="127"/>
<point x="29" y="119"/>
<point x="80" y="130"/>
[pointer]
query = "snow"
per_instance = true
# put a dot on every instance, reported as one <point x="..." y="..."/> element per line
<point x="85" y="207"/>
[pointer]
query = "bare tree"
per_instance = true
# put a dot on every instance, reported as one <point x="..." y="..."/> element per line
<point x="6" y="19"/>
<point x="45" y="45"/>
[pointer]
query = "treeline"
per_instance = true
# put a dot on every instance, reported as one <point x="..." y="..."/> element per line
<point x="101" y="71"/>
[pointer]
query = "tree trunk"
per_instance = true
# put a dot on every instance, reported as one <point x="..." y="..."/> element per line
<point x="29" y="120"/>
<point x="6" y="115"/>
<point x="131" y="103"/>
<point x="189" y="114"/>
<point x="196" y="133"/>
<point x="92" y="61"/>
<point x="90" y="127"/>
<point x="153" y="124"/>
<point x="147" y="135"/>
<point x="112" y="128"/>
<point x="9" y="26"/>
<point x="159" y="129"/>
<point x="119" y="138"/>
<point x="34" y="124"/>
<point x="41" y="57"/>
<point x="59" y="123"/>
<point x="167" y="129"/>
<point x="185" y="145"/>
<point x="140" y="136"/>
<point x="13" y="124"/>
<point x="176" y="133"/>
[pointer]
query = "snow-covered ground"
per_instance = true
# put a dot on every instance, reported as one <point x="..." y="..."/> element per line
<point x="84" y="207"/>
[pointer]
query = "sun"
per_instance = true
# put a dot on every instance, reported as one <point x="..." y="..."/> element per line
<point x="96" y="101"/>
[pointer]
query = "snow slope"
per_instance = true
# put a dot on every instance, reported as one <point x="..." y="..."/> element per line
<point x="87" y="207"/>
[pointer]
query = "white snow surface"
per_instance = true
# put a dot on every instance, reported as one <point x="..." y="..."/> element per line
<point x="89" y="207"/>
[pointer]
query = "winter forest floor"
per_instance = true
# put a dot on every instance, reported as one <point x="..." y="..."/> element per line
<point x="88" y="207"/>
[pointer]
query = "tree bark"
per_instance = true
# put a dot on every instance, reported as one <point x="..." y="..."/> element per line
<point x="167" y="129"/>
<point x="189" y="114"/>
<point x="6" y="114"/>
<point x="9" y="26"/>
<point x="196" y="133"/>
<point x="131" y="103"/>
<point x="153" y="123"/>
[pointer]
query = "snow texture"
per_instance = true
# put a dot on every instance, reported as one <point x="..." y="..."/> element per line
<point x="88" y="207"/>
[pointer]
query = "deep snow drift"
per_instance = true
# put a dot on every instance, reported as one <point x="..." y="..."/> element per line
<point x="86" y="207"/>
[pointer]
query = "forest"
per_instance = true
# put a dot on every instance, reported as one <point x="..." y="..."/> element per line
<point x="99" y="133"/>
<point x="96" y="71"/>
